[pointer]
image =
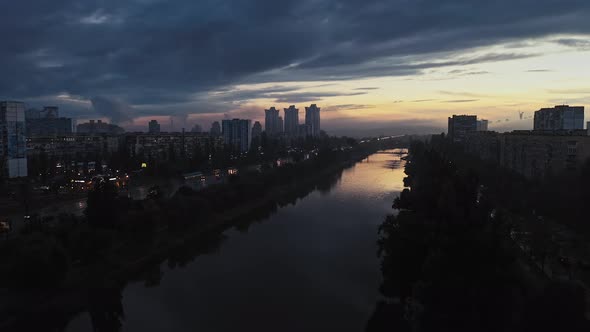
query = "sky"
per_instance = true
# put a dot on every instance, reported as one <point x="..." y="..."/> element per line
<point x="373" y="66"/>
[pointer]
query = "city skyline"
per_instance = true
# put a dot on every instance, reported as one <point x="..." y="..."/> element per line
<point x="336" y="165"/>
<point x="274" y="124"/>
<point x="401" y="72"/>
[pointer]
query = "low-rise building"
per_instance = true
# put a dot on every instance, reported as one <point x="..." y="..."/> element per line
<point x="482" y="125"/>
<point x="60" y="154"/>
<point x="99" y="128"/>
<point x="532" y="153"/>
<point x="484" y="144"/>
<point x="47" y="122"/>
<point x="561" y="117"/>
<point x="165" y="146"/>
<point x="153" y="127"/>
<point x="72" y="147"/>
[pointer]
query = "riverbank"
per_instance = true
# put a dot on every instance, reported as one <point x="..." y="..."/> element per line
<point x="134" y="257"/>
<point x="453" y="258"/>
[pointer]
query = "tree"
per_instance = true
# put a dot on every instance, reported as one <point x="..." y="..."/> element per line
<point x="35" y="260"/>
<point x="102" y="205"/>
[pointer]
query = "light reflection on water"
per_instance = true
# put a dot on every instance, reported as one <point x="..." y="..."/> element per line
<point x="311" y="266"/>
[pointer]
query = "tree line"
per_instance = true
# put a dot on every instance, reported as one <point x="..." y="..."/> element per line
<point x="450" y="258"/>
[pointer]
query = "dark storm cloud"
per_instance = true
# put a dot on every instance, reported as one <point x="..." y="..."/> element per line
<point x="385" y="67"/>
<point x="152" y="52"/>
<point x="240" y="95"/>
<point x="303" y="97"/>
<point x="347" y="107"/>
<point x="117" y="111"/>
<point x="281" y="94"/>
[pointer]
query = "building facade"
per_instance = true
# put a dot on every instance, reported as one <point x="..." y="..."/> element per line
<point x="532" y="153"/>
<point x="271" y="121"/>
<point x="215" y="129"/>
<point x="536" y="155"/>
<point x="49" y="127"/>
<point x="482" y="125"/>
<point x="164" y="145"/>
<point x="153" y="127"/>
<point x="291" y="121"/>
<point x="13" y="148"/>
<point x="312" y="119"/>
<point x="32" y="113"/>
<point x="47" y="122"/>
<point x="460" y="125"/>
<point x="256" y="129"/>
<point x="281" y="125"/>
<point x="561" y="117"/>
<point x="72" y="148"/>
<point x="303" y="130"/>
<point x="197" y="128"/>
<point x="237" y="134"/>
<point x="50" y="112"/>
<point x="484" y="144"/>
<point x="99" y="128"/>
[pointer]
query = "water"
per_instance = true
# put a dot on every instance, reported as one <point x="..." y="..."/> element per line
<point x="311" y="266"/>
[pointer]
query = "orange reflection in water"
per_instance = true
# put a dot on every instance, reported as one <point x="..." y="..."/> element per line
<point x="380" y="174"/>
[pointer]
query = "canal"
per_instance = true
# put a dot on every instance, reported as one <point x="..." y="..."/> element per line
<point x="310" y="266"/>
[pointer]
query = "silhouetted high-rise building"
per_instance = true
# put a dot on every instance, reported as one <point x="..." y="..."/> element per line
<point x="32" y="113"/>
<point x="237" y="134"/>
<point x="50" y="112"/>
<point x="312" y="119"/>
<point x="99" y="128"/>
<point x="51" y="126"/>
<point x="215" y="129"/>
<point x="197" y="128"/>
<point x="459" y="125"/>
<point x="562" y="117"/>
<point x="303" y="130"/>
<point x="153" y="127"/>
<point x="281" y="125"/>
<point x="256" y="129"/>
<point x="291" y="121"/>
<point x="271" y="121"/>
<point x="47" y="122"/>
<point x="482" y="125"/>
<point x="13" y="144"/>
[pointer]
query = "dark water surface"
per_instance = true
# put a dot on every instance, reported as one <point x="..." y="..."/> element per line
<point x="311" y="266"/>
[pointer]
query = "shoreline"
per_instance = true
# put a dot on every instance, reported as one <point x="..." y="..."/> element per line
<point x="73" y="299"/>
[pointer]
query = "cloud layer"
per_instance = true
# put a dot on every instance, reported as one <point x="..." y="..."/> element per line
<point x="159" y="55"/>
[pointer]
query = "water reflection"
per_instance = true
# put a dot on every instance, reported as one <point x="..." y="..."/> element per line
<point x="106" y="309"/>
<point x="306" y="262"/>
